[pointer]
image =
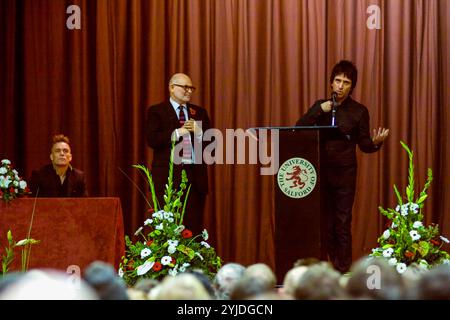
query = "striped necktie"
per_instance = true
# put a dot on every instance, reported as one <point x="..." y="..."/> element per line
<point x="187" y="147"/>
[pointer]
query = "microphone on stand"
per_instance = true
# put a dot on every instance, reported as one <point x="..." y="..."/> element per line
<point x="333" y="109"/>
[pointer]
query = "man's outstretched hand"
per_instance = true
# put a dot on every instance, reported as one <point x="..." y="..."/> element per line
<point x="379" y="135"/>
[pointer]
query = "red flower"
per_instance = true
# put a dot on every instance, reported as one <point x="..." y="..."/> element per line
<point x="186" y="233"/>
<point x="149" y="243"/>
<point x="435" y="242"/>
<point x="130" y="264"/>
<point x="174" y="261"/>
<point x="409" y="254"/>
<point x="157" y="266"/>
<point x="11" y="189"/>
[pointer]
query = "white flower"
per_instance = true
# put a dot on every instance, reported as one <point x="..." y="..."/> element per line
<point x="444" y="239"/>
<point x="143" y="269"/>
<point x="120" y="273"/>
<point x="423" y="264"/>
<point x="388" y="252"/>
<point x="15" y="172"/>
<point x="401" y="267"/>
<point x="158" y="215"/>
<point x="166" y="260"/>
<point x="397" y="208"/>
<point x="392" y="261"/>
<point x="446" y="261"/>
<point x="404" y="210"/>
<point x="414" y="207"/>
<point x="167" y="215"/>
<point x="205" y="235"/>
<point x="199" y="255"/>
<point x="184" y="266"/>
<point x="138" y="231"/>
<point x="6" y="161"/>
<point x="170" y="220"/>
<point x="414" y="235"/>
<point x="159" y="226"/>
<point x="145" y="253"/>
<point x="173" y="272"/>
<point x="417" y="224"/>
<point x="393" y="226"/>
<point x="147" y="222"/>
<point x="172" y="242"/>
<point x="179" y="229"/>
<point x="4" y="182"/>
<point x="205" y="244"/>
<point x="15" y="183"/>
<point x="3" y="170"/>
<point x="386" y="234"/>
<point x="171" y="249"/>
<point x="22" y="184"/>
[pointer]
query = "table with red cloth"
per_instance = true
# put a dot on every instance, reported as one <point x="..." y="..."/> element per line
<point x="72" y="231"/>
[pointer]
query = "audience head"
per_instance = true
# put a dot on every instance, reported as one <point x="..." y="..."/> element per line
<point x="306" y="262"/>
<point x="47" y="285"/>
<point x="183" y="286"/>
<point x="319" y="282"/>
<point x="434" y="284"/>
<point x="105" y="281"/>
<point x="375" y="278"/>
<point x="204" y="280"/>
<point x="247" y="287"/>
<point x="291" y="279"/>
<point x="226" y="278"/>
<point x="261" y="271"/>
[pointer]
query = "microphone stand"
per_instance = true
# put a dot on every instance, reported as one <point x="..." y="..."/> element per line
<point x="333" y="110"/>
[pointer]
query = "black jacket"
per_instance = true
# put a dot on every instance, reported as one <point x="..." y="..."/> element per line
<point x="352" y="119"/>
<point x="161" y="121"/>
<point x="49" y="184"/>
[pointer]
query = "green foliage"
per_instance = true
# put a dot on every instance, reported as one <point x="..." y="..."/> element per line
<point x="407" y="241"/>
<point x="167" y="247"/>
<point x="8" y="258"/>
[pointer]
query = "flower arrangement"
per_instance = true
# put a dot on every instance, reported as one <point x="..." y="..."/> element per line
<point x="407" y="241"/>
<point x="11" y="185"/>
<point x="167" y="246"/>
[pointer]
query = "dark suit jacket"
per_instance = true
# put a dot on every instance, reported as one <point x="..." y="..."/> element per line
<point x="352" y="119"/>
<point x="50" y="186"/>
<point x="161" y="121"/>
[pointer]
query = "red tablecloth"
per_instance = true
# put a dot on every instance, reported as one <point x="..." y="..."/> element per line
<point x="72" y="231"/>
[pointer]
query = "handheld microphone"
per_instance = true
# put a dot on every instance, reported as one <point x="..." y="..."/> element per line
<point x="333" y="109"/>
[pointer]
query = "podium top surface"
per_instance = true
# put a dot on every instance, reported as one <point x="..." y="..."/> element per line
<point x="294" y="128"/>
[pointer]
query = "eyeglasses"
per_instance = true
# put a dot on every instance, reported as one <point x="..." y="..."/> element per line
<point x="186" y="88"/>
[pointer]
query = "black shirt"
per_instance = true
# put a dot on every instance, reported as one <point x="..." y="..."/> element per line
<point x="352" y="119"/>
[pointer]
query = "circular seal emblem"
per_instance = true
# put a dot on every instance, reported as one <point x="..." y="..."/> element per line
<point x="297" y="178"/>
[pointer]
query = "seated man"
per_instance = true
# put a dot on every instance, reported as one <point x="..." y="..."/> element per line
<point x="58" y="179"/>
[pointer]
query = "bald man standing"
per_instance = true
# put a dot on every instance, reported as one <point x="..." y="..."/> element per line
<point x="184" y="122"/>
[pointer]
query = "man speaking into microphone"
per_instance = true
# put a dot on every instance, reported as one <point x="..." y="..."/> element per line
<point x="339" y="170"/>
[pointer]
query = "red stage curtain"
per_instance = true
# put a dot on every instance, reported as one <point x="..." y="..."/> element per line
<point x="255" y="63"/>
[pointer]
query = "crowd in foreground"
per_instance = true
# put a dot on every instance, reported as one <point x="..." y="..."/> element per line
<point x="309" y="279"/>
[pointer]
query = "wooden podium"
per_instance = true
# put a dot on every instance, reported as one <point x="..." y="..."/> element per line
<point x="300" y="212"/>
